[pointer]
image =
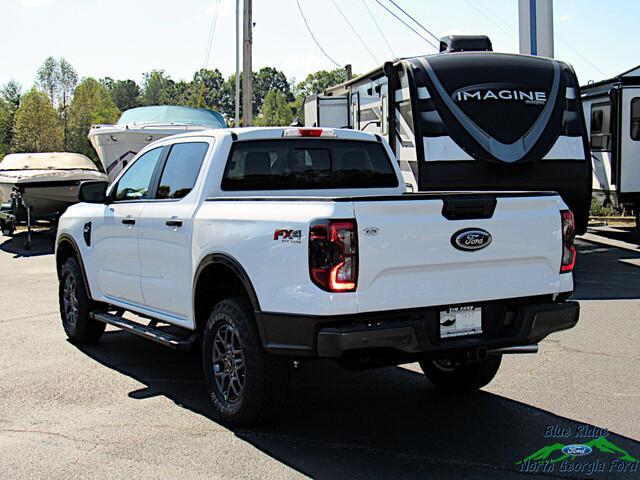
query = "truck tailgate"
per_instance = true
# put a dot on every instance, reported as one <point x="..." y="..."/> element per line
<point x="407" y="257"/>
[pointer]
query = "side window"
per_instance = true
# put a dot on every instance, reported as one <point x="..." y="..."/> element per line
<point x="136" y="182"/>
<point x="635" y="119"/>
<point x="601" y="126"/>
<point x="181" y="170"/>
<point x="385" y="115"/>
<point x="355" y="111"/>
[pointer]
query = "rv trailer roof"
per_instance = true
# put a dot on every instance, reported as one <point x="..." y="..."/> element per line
<point x="341" y="89"/>
<point x="630" y="77"/>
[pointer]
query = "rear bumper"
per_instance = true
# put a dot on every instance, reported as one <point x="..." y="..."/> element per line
<point x="414" y="332"/>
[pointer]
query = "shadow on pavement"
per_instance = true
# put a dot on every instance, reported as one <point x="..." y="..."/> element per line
<point x="385" y="423"/>
<point x="602" y="273"/>
<point x="42" y="243"/>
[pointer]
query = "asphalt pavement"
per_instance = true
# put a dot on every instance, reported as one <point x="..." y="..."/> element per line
<point x="128" y="408"/>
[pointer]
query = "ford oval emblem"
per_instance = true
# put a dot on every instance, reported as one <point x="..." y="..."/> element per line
<point x="577" y="450"/>
<point x="471" y="239"/>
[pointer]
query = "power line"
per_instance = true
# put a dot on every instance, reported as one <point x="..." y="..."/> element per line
<point x="314" y="37"/>
<point x="346" y="19"/>
<point x="566" y="43"/>
<point x="407" y="25"/>
<point x="212" y="31"/>
<point x="378" y="27"/>
<point x="415" y="21"/>
<point x="490" y="18"/>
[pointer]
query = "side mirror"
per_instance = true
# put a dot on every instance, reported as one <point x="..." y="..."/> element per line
<point x="92" y="192"/>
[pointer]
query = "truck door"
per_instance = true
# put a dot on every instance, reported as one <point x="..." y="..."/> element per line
<point x="166" y="232"/>
<point x="630" y="141"/>
<point x="115" y="259"/>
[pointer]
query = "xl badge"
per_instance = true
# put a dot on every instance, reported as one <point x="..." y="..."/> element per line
<point x="471" y="239"/>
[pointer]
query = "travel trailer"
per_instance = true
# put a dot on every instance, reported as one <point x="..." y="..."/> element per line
<point x="612" y="114"/>
<point x="471" y="119"/>
<point x="117" y="144"/>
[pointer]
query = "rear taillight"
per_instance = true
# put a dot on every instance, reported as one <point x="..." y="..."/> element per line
<point x="568" y="250"/>
<point x="333" y="255"/>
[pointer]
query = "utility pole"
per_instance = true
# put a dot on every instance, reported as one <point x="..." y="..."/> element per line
<point x="237" y="122"/>
<point x="247" y="80"/>
<point x="536" y="27"/>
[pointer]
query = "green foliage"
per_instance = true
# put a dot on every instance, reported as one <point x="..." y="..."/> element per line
<point x="275" y="110"/>
<point x="157" y="87"/>
<point x="319" y="81"/>
<point x="266" y="80"/>
<point x="92" y="104"/>
<point x="10" y="96"/>
<point x="209" y="89"/>
<point x="5" y="127"/>
<point x="48" y="78"/>
<point x="599" y="210"/>
<point x="125" y="93"/>
<point x="37" y="127"/>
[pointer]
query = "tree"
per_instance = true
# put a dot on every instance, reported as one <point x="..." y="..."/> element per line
<point x="10" y="95"/>
<point x="125" y="93"/>
<point x="48" y="78"/>
<point x="275" y="110"/>
<point x="4" y="127"/>
<point x="209" y="89"/>
<point x="37" y="127"/>
<point x="266" y="80"/>
<point x="91" y="104"/>
<point x="67" y="79"/>
<point x="157" y="88"/>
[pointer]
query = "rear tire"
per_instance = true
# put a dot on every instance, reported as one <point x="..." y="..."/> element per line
<point x="246" y="385"/>
<point x="76" y="306"/>
<point x="461" y="377"/>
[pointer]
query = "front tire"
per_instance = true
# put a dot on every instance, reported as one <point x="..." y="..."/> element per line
<point x="245" y="384"/>
<point x="455" y="376"/>
<point x="76" y="306"/>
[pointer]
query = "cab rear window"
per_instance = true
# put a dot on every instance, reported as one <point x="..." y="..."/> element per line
<point x="308" y="164"/>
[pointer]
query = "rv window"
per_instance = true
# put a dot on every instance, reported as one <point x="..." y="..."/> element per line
<point x="307" y="165"/>
<point x="635" y="119"/>
<point x="601" y="127"/>
<point x="385" y="115"/>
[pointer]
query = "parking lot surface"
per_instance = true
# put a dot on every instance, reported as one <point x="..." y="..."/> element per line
<point x="127" y="408"/>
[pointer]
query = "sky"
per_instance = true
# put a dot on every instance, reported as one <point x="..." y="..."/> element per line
<point x="125" y="38"/>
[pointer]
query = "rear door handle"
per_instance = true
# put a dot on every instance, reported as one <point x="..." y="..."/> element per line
<point x="173" y="223"/>
<point x="128" y="221"/>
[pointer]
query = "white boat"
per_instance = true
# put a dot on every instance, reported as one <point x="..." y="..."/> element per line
<point x="117" y="144"/>
<point x="47" y="183"/>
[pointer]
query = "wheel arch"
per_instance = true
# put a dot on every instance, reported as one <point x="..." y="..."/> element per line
<point x="66" y="247"/>
<point x="208" y="288"/>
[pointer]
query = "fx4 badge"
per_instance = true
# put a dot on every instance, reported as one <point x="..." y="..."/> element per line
<point x="288" y="236"/>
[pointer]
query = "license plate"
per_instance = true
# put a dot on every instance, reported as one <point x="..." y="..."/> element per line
<point x="459" y="321"/>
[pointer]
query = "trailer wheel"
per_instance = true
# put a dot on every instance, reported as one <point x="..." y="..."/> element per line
<point x="455" y="376"/>
<point x="8" y="228"/>
<point x="246" y="385"/>
<point x="75" y="305"/>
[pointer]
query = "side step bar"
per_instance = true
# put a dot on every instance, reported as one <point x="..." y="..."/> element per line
<point x="148" y="332"/>
<point x="513" y="350"/>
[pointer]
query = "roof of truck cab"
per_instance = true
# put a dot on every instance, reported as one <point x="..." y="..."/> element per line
<point x="271" y="133"/>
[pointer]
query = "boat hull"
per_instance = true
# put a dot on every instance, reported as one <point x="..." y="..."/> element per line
<point x="46" y="195"/>
<point x="117" y="145"/>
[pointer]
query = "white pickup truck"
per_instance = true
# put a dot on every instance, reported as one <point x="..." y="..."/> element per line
<point x="271" y="246"/>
